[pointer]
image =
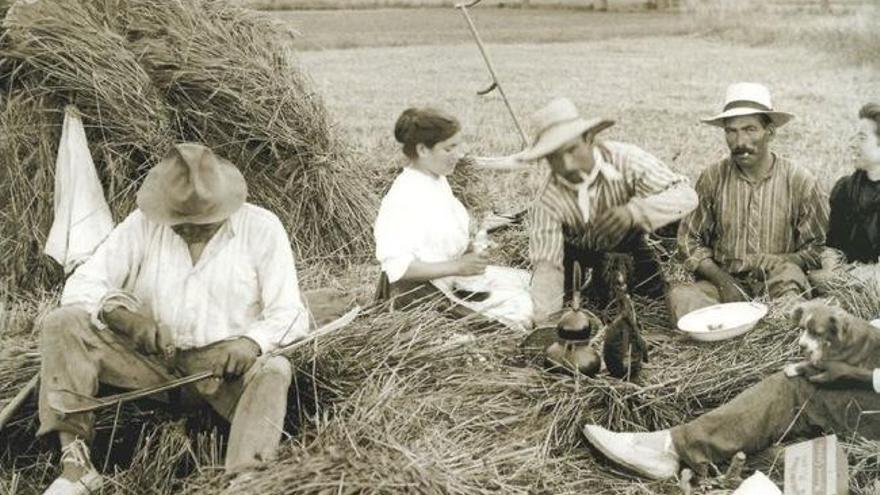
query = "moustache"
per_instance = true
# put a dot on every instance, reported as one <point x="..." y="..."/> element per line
<point x="740" y="151"/>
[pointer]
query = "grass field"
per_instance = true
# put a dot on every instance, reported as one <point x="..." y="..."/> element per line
<point x="656" y="75"/>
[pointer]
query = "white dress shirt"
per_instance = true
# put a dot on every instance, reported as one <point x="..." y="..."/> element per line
<point x="244" y="283"/>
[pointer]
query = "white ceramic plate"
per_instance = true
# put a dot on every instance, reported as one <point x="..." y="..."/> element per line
<point x="722" y="321"/>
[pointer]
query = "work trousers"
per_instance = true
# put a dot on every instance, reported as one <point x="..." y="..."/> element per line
<point x="774" y="409"/>
<point x="76" y="357"/>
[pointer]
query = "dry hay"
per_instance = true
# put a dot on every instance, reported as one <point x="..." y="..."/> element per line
<point x="419" y="402"/>
<point x="146" y="73"/>
<point x="26" y="185"/>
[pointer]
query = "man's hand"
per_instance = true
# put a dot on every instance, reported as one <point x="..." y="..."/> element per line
<point x="147" y="336"/>
<point x="232" y="358"/>
<point x="838" y="372"/>
<point x="613" y="225"/>
<point x="763" y="264"/>
<point x="731" y="291"/>
<point x="472" y="264"/>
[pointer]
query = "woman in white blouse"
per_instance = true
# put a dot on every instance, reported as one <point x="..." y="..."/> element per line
<point x="423" y="231"/>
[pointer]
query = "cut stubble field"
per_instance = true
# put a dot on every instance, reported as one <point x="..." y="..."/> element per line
<point x="656" y="88"/>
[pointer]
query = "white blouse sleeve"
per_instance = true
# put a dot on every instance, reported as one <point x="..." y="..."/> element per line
<point x="397" y="237"/>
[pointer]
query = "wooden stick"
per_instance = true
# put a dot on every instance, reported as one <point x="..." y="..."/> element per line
<point x="463" y="7"/>
<point x="16" y="402"/>
<point x="197" y="377"/>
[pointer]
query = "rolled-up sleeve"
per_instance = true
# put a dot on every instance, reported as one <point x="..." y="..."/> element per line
<point x="99" y="281"/>
<point x="696" y="231"/>
<point x="660" y="196"/>
<point x="283" y="318"/>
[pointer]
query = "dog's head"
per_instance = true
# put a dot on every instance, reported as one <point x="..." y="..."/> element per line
<point x="826" y="330"/>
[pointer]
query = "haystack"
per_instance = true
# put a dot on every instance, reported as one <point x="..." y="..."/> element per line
<point x="147" y="73"/>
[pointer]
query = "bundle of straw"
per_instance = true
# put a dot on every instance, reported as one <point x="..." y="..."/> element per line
<point x="236" y="87"/>
<point x="147" y="73"/>
<point x="28" y="137"/>
<point x="54" y="53"/>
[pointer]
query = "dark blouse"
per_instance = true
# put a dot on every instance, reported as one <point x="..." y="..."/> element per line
<point x="854" y="224"/>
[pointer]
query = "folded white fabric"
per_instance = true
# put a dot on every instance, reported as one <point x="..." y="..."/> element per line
<point x="757" y="484"/>
<point x="82" y="216"/>
<point x="508" y="301"/>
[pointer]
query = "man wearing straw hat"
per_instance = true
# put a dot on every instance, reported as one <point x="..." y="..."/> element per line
<point x="761" y="221"/>
<point x="194" y="279"/>
<point x="602" y="196"/>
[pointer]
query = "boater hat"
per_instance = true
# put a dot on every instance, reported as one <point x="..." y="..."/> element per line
<point x="747" y="98"/>
<point x="191" y="185"/>
<point x="557" y="123"/>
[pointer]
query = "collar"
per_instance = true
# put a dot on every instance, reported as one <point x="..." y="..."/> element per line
<point x="774" y="160"/>
<point x="600" y="167"/>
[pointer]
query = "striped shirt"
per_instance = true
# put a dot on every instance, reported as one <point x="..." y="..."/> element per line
<point x="629" y="176"/>
<point x="784" y="212"/>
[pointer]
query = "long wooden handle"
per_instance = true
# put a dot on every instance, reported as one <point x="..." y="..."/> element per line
<point x="16" y="402"/>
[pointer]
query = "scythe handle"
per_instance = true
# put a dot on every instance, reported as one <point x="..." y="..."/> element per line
<point x="463" y="7"/>
<point x="467" y="5"/>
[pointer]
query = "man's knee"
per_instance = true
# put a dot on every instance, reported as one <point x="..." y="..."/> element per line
<point x="684" y="298"/>
<point x="62" y="323"/>
<point x="797" y="387"/>
<point x="788" y="278"/>
<point x="278" y="367"/>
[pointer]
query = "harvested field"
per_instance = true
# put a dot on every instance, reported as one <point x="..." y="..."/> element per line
<point x="421" y="403"/>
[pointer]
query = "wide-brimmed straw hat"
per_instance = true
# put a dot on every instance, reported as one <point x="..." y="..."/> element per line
<point x="191" y="185"/>
<point x="747" y="98"/>
<point x="557" y="123"/>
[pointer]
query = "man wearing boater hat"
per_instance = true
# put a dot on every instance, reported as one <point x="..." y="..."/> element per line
<point x="194" y="279"/>
<point x="758" y="212"/>
<point x="761" y="220"/>
<point x="602" y="196"/>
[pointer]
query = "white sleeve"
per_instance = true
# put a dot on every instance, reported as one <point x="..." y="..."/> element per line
<point x="396" y="233"/>
<point x="100" y="279"/>
<point x="876" y="380"/>
<point x="284" y="317"/>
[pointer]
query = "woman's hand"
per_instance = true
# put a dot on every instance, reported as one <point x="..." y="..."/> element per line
<point x="472" y="264"/>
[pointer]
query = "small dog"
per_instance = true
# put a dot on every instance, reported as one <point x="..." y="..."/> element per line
<point x="832" y="334"/>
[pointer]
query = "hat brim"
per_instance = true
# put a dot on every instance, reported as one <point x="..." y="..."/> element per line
<point x="553" y="138"/>
<point x="152" y="198"/>
<point x="779" y="119"/>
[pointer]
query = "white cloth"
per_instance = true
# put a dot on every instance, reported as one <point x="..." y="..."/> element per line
<point x="82" y="217"/>
<point x="757" y="484"/>
<point x="244" y="283"/>
<point x="509" y="301"/>
<point x="420" y="219"/>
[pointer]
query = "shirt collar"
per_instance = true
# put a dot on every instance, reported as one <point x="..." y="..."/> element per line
<point x="774" y="160"/>
<point x="600" y="167"/>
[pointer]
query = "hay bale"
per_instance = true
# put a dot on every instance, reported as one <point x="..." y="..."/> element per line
<point x="235" y="86"/>
<point x="147" y="73"/>
<point x="28" y="137"/>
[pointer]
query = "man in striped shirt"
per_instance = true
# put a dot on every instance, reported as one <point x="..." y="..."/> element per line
<point x="601" y="197"/>
<point x="761" y="221"/>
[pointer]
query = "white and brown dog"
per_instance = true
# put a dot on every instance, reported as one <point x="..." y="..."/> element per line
<point x="832" y="334"/>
